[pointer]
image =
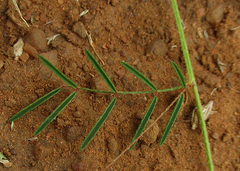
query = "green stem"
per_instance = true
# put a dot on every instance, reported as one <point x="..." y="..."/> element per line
<point x="96" y="91"/>
<point x="192" y="80"/>
<point x="130" y="92"/>
<point x="169" y="89"/>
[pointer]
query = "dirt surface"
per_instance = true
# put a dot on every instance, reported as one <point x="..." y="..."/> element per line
<point x="142" y="33"/>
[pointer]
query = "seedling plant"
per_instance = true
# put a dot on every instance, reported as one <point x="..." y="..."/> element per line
<point x="140" y="130"/>
<point x="109" y="108"/>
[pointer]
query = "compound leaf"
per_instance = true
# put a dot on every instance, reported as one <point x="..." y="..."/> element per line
<point x="55" y="113"/>
<point x="172" y="119"/>
<point x="99" y="69"/>
<point x="98" y="124"/>
<point x="57" y="71"/>
<point x="139" y="75"/>
<point x="179" y="74"/>
<point x="34" y="105"/>
<point x="145" y="120"/>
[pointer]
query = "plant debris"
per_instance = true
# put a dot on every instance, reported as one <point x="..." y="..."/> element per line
<point x="49" y="39"/>
<point x="18" y="48"/>
<point x="221" y="66"/>
<point x="84" y="13"/>
<point x="91" y="43"/>
<point x="207" y="112"/>
<point x="4" y="161"/>
<point x="19" y="12"/>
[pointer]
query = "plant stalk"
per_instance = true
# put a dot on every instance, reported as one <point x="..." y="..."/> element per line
<point x="131" y="92"/>
<point x="193" y="81"/>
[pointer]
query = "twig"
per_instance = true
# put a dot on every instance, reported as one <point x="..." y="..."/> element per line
<point x="91" y="43"/>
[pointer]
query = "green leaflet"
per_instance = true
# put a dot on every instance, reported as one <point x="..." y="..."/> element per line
<point x="57" y="72"/>
<point x="55" y="113"/>
<point x="34" y="105"/>
<point x="172" y="119"/>
<point x="2" y="156"/>
<point x="144" y="120"/>
<point x="98" y="124"/>
<point x="139" y="75"/>
<point x="100" y="70"/>
<point x="179" y="74"/>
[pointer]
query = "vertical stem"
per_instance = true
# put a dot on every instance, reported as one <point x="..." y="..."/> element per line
<point x="192" y="80"/>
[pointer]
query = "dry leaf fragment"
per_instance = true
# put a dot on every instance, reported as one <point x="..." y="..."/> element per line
<point x="12" y="124"/>
<point x="91" y="43"/>
<point x="18" y="48"/>
<point x="49" y="39"/>
<point x="84" y="13"/>
<point x="207" y="112"/>
<point x="221" y="66"/>
<point x="4" y="161"/>
<point x="19" y="12"/>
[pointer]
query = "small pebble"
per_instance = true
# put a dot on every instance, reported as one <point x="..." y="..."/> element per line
<point x="226" y="137"/>
<point x="77" y="114"/>
<point x="154" y="77"/>
<point x="203" y="167"/>
<point x="45" y="72"/>
<point x="66" y="70"/>
<point x="94" y="165"/>
<point x="201" y="12"/>
<point x="79" y="166"/>
<point x="158" y="47"/>
<point x="62" y="122"/>
<point x="151" y="135"/>
<point x="10" y="102"/>
<point x="24" y="57"/>
<point x="139" y="115"/>
<point x="222" y="31"/>
<point x="60" y="2"/>
<point x="79" y="28"/>
<point x="85" y="68"/>
<point x="73" y="133"/>
<point x="120" y="72"/>
<point x="215" y="15"/>
<point x="99" y="84"/>
<point x="30" y="50"/>
<point x="10" y="52"/>
<point x="114" y="2"/>
<point x="40" y="92"/>
<point x="37" y="39"/>
<point x="215" y="135"/>
<point x="113" y="146"/>
<point x="73" y="14"/>
<point x="61" y="143"/>
<point x="74" y="38"/>
<point x="130" y="103"/>
<point x="73" y="65"/>
<point x="42" y="150"/>
<point x="134" y="153"/>
<point x="124" y="53"/>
